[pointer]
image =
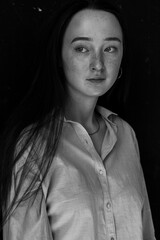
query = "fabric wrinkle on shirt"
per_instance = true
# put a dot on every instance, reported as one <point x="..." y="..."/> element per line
<point x="91" y="197"/>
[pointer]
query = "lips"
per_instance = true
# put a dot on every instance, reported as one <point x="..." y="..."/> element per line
<point x="95" y="79"/>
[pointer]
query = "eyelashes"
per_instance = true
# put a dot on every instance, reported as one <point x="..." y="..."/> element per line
<point x="83" y="49"/>
<point x="111" y="49"/>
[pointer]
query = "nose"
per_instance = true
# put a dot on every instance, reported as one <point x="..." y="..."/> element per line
<point x="97" y="64"/>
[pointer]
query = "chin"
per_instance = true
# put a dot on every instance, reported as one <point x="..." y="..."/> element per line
<point x="102" y="92"/>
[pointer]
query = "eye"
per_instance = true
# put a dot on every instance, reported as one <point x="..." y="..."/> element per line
<point x="110" y="49"/>
<point x="81" y="49"/>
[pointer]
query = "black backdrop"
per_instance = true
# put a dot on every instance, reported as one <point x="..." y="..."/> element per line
<point x="18" y="22"/>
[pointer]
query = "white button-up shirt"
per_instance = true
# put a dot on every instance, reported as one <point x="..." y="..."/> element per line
<point x="87" y="196"/>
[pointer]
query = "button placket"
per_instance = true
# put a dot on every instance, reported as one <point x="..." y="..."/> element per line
<point x="112" y="238"/>
<point x="108" y="206"/>
<point x="110" y="223"/>
<point x="109" y="217"/>
<point x="100" y="171"/>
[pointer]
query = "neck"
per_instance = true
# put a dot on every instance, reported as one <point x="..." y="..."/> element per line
<point x="82" y="111"/>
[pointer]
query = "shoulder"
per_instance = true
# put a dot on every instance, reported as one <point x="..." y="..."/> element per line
<point x="29" y="148"/>
<point x="126" y="135"/>
<point x="114" y="119"/>
<point x="126" y="138"/>
<point x="124" y="131"/>
<point x="122" y="125"/>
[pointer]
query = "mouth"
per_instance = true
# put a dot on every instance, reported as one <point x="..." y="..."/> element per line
<point x="97" y="80"/>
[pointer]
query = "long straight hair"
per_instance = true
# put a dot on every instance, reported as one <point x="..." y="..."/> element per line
<point x="36" y="125"/>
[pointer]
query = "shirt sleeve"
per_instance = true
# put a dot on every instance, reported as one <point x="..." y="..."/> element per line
<point x="28" y="221"/>
<point x="148" y="227"/>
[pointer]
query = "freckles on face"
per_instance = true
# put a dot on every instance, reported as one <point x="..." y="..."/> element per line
<point x="76" y="67"/>
<point x="73" y="64"/>
<point x="92" y="48"/>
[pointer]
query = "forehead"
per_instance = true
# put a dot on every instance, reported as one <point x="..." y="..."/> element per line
<point x="93" y="23"/>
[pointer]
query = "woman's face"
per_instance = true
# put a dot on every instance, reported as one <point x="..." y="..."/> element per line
<point x="91" y="53"/>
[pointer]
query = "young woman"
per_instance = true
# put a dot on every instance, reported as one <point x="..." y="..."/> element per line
<point x="71" y="168"/>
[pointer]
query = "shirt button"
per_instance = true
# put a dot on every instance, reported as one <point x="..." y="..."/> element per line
<point x="100" y="171"/>
<point x="108" y="205"/>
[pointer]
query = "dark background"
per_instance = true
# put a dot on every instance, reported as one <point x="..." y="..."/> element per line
<point x="19" y="21"/>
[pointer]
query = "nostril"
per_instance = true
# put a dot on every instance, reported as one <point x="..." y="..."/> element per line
<point x="97" y="66"/>
<point x="93" y="68"/>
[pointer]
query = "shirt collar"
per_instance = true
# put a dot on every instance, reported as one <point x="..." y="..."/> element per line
<point x="104" y="112"/>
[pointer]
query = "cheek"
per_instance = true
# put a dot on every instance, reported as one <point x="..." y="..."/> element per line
<point x="113" y="65"/>
<point x="74" y="66"/>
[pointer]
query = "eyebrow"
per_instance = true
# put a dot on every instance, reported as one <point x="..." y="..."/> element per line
<point x="90" y="39"/>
